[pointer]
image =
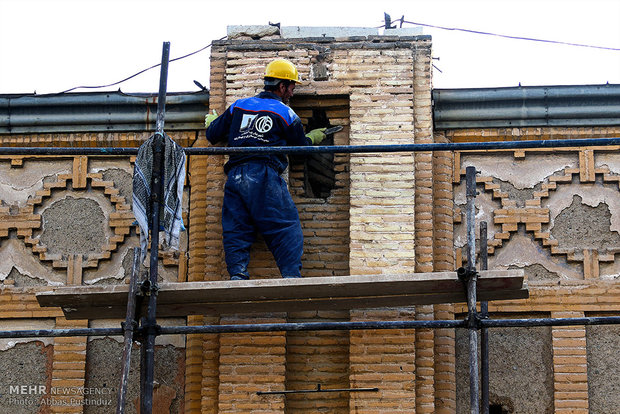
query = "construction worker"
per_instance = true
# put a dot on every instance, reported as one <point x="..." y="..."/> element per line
<point x="256" y="198"/>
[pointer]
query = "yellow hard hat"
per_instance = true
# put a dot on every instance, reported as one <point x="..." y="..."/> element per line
<point x="282" y="69"/>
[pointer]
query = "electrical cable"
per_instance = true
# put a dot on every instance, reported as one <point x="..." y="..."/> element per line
<point x="142" y="71"/>
<point x="507" y="36"/>
<point x="401" y="20"/>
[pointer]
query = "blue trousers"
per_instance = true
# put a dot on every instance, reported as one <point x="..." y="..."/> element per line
<point x="256" y="200"/>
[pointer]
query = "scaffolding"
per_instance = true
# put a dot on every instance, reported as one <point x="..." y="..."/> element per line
<point x="143" y="294"/>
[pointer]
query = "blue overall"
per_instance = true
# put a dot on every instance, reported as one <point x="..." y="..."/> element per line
<point x="256" y="199"/>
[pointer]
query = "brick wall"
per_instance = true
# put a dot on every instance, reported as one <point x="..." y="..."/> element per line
<point x="552" y="213"/>
<point x="385" y="213"/>
<point x="38" y="250"/>
<point x="379" y="90"/>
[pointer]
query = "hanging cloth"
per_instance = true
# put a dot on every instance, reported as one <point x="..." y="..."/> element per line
<point x="171" y="221"/>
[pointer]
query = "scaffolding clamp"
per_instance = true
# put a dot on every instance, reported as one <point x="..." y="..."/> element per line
<point x="147" y="288"/>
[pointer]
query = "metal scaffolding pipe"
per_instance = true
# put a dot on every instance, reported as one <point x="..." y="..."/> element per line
<point x="53" y="333"/>
<point x="149" y="323"/>
<point x="52" y="119"/>
<point x="471" y="279"/>
<point x="317" y="326"/>
<point x="484" y="334"/>
<point x="338" y="149"/>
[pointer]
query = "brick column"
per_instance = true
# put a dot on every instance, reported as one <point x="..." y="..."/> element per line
<point x="382" y="359"/>
<point x="424" y="338"/>
<point x="210" y="347"/>
<point x="570" y="366"/>
<point x="193" y="367"/>
<point x="252" y="362"/>
<point x="68" y="366"/>
<point x="382" y="214"/>
<point x="424" y="225"/>
<point x="445" y="360"/>
<point x="205" y="251"/>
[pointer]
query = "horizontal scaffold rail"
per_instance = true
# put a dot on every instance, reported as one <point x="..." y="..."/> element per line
<point x="287" y="294"/>
<point x="339" y="149"/>
<point x="319" y="326"/>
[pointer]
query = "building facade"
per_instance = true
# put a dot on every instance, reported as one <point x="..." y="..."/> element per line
<point x="552" y="212"/>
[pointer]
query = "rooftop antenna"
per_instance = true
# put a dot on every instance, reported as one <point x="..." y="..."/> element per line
<point x="388" y="21"/>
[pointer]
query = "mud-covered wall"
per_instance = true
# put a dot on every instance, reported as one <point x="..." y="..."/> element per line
<point x="556" y="215"/>
<point x="520" y="370"/>
<point x="67" y="221"/>
<point x="603" y="368"/>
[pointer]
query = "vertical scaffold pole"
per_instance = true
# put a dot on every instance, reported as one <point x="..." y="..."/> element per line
<point x="157" y="189"/>
<point x="484" y="332"/>
<point x="129" y="328"/>
<point x="470" y="180"/>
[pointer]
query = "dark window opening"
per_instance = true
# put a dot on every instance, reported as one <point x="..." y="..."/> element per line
<point x="498" y="409"/>
<point x="319" y="174"/>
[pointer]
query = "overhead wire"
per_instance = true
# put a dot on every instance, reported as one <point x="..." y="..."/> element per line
<point x="142" y="71"/>
<point x="558" y="42"/>
<point x="401" y="20"/>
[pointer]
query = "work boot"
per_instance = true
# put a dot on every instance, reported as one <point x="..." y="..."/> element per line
<point x="239" y="277"/>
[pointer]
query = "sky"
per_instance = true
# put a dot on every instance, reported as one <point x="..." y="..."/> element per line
<point x="50" y="46"/>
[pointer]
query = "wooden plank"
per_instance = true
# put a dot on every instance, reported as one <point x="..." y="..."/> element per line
<point x="282" y="295"/>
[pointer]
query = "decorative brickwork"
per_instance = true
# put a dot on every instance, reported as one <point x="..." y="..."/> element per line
<point x="553" y="213"/>
<point x="570" y="366"/>
<point x="60" y="190"/>
<point x="68" y="367"/>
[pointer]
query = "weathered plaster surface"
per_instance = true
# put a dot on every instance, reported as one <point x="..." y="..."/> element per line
<point x="18" y="184"/>
<point x="116" y="269"/>
<point x="485" y="205"/>
<point x="73" y="226"/>
<point x="610" y="160"/>
<point x="24" y="325"/>
<point x="24" y="364"/>
<point x="580" y="226"/>
<point x="590" y="194"/>
<point x="610" y="270"/>
<point x="603" y="368"/>
<point x="520" y="173"/>
<point x="520" y="361"/>
<point x="522" y="251"/>
<point x="15" y="254"/>
<point x="103" y="367"/>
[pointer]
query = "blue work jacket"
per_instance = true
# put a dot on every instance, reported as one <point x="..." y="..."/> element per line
<point x="262" y="120"/>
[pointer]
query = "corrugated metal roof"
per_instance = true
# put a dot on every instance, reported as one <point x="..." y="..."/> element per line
<point x="98" y="112"/>
<point x="587" y="105"/>
<point x="574" y="106"/>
